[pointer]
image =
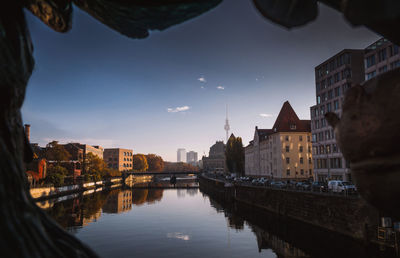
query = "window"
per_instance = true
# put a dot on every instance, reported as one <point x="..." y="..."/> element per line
<point x="318" y="99"/>
<point x="288" y="172"/>
<point x="382" y="55"/>
<point x="309" y="161"/>
<point x="287" y="148"/>
<point x="328" y="148"/>
<point x="346" y="87"/>
<point x="323" y="122"/>
<point x="309" y="149"/>
<point x="324" y="97"/>
<point x="301" y="138"/>
<point x="330" y="94"/>
<point x="287" y="160"/>
<point x="308" y="138"/>
<point x="337" y="77"/>
<point x="323" y="84"/>
<point x="395" y="64"/>
<point x="370" y="61"/>
<point x="334" y="147"/>
<point x="328" y="107"/>
<point x="301" y="161"/>
<point x="330" y="80"/>
<point x="292" y="127"/>
<point x="383" y="69"/>
<point x="302" y="172"/>
<point x="286" y="138"/>
<point x="337" y="91"/>
<point x="370" y="75"/>
<point x="316" y="122"/>
<point x="322" y="110"/>
<point x="336" y="104"/>
<point x="395" y="49"/>
<point x="301" y="149"/>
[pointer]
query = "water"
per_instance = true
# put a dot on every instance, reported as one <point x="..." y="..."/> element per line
<point x="189" y="223"/>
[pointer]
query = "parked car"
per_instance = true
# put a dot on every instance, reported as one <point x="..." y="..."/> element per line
<point x="319" y="186"/>
<point x="338" y="186"/>
<point x="278" y="184"/>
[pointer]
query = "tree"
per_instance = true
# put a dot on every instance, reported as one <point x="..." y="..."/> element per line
<point x="56" y="152"/>
<point x="234" y="155"/>
<point x="140" y="163"/>
<point x="156" y="163"/>
<point x="56" y="175"/>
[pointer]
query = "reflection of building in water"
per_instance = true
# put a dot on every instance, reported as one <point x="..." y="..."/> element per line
<point x="118" y="202"/>
<point x="181" y="193"/>
<point x="91" y="218"/>
<point x="192" y="191"/>
<point x="266" y="240"/>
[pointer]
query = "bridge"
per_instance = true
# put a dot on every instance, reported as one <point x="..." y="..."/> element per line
<point x="149" y="173"/>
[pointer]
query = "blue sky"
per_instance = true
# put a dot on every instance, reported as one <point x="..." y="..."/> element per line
<point x="95" y="86"/>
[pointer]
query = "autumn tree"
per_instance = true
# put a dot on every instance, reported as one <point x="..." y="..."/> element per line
<point x="56" y="175"/>
<point x="56" y="152"/>
<point x="140" y="163"/>
<point x="234" y="155"/>
<point x="156" y="163"/>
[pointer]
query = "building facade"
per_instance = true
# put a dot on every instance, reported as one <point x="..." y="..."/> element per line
<point x="181" y="155"/>
<point x="332" y="79"/>
<point x="283" y="152"/>
<point x="380" y="57"/>
<point x="215" y="162"/>
<point x="120" y="159"/>
<point x="191" y="158"/>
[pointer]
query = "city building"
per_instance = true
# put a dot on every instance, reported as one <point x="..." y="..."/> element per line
<point x="191" y="158"/>
<point x="380" y="57"/>
<point x="96" y="150"/>
<point x="215" y="162"/>
<point x="118" y="158"/>
<point x="332" y="79"/>
<point x="283" y="152"/>
<point x="181" y="155"/>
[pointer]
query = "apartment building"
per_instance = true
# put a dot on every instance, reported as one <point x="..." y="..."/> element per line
<point x="118" y="158"/>
<point x="283" y="152"/>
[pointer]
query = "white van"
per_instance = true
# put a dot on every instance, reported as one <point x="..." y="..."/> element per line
<point x="338" y="186"/>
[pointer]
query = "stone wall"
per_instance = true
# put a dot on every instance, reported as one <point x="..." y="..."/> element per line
<point x="350" y="216"/>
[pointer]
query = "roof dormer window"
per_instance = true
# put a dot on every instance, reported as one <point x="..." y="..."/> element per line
<point x="292" y="126"/>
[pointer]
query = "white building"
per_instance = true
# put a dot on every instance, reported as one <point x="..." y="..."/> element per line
<point x="181" y="155"/>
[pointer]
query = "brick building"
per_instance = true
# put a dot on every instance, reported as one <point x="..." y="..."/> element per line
<point x="118" y="158"/>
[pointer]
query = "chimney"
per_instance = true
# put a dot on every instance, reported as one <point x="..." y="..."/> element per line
<point x="28" y="132"/>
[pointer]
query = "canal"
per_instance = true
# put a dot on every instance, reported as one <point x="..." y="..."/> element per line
<point x="190" y="223"/>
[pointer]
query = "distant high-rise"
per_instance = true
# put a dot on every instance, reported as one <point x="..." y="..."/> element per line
<point x="181" y="155"/>
<point x="191" y="157"/>
<point x="227" y="127"/>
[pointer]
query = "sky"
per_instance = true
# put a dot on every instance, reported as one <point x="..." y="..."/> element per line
<point x="168" y="91"/>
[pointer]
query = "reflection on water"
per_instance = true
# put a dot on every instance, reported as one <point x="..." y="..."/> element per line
<point x="182" y="222"/>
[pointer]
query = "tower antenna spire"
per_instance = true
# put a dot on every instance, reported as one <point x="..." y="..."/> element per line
<point x="227" y="127"/>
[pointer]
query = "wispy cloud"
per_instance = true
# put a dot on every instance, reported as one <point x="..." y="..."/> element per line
<point x="266" y="115"/>
<point x="202" y="87"/>
<point x="178" y="235"/>
<point x="220" y="87"/>
<point x="178" y="109"/>
<point x="202" y="79"/>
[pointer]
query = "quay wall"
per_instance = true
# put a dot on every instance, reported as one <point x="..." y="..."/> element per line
<point x="350" y="216"/>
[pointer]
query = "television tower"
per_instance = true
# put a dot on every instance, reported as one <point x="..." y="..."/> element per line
<point x="227" y="127"/>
